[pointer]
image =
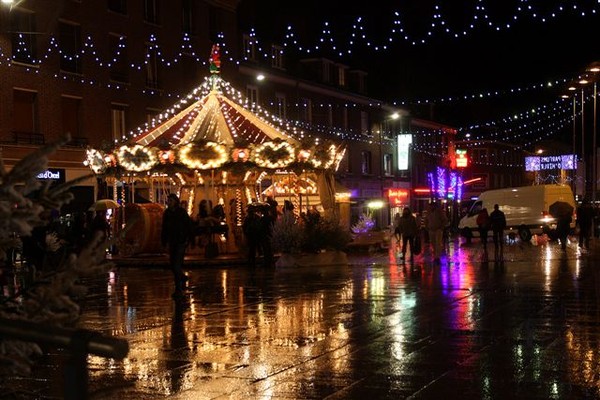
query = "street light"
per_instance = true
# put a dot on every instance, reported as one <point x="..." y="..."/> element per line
<point x="573" y="141"/>
<point x="594" y="69"/>
<point x="573" y="88"/>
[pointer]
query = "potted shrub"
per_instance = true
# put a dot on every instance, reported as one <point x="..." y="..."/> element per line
<point x="311" y="241"/>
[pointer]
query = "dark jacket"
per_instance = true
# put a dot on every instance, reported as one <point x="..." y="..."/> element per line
<point x="497" y="221"/>
<point x="408" y="225"/>
<point x="585" y="216"/>
<point x="176" y="226"/>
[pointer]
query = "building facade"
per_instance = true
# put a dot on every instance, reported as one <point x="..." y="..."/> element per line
<point x="99" y="70"/>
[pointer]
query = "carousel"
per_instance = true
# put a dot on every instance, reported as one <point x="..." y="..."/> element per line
<point x="219" y="154"/>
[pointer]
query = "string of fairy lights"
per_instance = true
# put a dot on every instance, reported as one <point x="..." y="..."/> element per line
<point x="440" y="24"/>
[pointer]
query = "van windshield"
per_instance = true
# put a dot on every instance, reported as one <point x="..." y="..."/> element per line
<point x="477" y="206"/>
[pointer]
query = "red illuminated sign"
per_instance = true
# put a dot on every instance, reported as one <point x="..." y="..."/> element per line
<point x="397" y="197"/>
<point x="461" y="158"/>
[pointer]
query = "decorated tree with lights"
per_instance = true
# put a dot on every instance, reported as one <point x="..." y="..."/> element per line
<point x="50" y="298"/>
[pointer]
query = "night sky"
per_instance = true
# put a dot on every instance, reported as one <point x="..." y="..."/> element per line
<point x="531" y="52"/>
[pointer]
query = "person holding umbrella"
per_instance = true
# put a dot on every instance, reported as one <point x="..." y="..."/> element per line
<point x="563" y="212"/>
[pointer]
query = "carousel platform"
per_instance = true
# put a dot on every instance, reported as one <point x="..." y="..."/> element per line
<point x="191" y="261"/>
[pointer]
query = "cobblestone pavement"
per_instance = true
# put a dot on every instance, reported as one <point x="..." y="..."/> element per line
<point x="527" y="328"/>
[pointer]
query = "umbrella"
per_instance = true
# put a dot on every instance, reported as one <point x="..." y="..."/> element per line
<point x="560" y="209"/>
<point x="104" y="204"/>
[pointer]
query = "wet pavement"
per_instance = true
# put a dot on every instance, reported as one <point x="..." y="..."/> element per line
<point x="527" y="328"/>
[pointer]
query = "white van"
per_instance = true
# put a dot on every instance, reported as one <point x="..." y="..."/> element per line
<point x="525" y="207"/>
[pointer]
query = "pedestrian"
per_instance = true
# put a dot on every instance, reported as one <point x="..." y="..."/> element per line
<point x="288" y="206"/>
<point x="267" y="221"/>
<point x="498" y="225"/>
<point x="483" y="223"/>
<point x="397" y="232"/>
<point x="100" y="225"/>
<point x="585" y="220"/>
<point x="252" y="228"/>
<point x="563" y="225"/>
<point x="175" y="233"/>
<point x="409" y="230"/>
<point x="436" y="222"/>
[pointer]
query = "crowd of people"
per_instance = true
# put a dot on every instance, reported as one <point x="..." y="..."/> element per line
<point x="433" y="225"/>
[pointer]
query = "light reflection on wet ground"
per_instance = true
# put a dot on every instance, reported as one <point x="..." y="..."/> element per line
<point x="527" y="328"/>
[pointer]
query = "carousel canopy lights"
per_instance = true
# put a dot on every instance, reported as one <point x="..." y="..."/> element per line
<point x="207" y="156"/>
<point x="216" y="130"/>
<point x="137" y="158"/>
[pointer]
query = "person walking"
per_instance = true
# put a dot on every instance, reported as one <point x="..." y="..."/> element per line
<point x="585" y="219"/>
<point x="436" y="222"/>
<point x="175" y="233"/>
<point x="483" y="223"/>
<point x="409" y="229"/>
<point x="397" y="232"/>
<point x="100" y="225"/>
<point x="563" y="225"/>
<point x="498" y="225"/>
<point x="252" y="228"/>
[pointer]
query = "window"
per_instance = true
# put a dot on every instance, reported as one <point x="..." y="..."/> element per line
<point x="341" y="76"/>
<point x="281" y="105"/>
<point x="23" y="37"/>
<point x="119" y="68"/>
<point x="277" y="57"/>
<point x="151" y="114"/>
<point x="25" y="111"/>
<point x="118" y="121"/>
<point x="345" y="118"/>
<point x="151" y="11"/>
<point x="152" y="78"/>
<point x="348" y="159"/>
<point x="330" y="116"/>
<point x="387" y="164"/>
<point x="70" y="44"/>
<point x="364" y="123"/>
<point x="306" y="110"/>
<point x="365" y="162"/>
<point x="252" y="94"/>
<point x="118" y="6"/>
<point x="71" y="115"/>
<point x="249" y="48"/>
<point x="326" y="71"/>
<point x="189" y="16"/>
<point x="480" y="155"/>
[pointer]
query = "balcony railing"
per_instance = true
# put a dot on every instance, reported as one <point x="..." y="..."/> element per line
<point x="29" y="138"/>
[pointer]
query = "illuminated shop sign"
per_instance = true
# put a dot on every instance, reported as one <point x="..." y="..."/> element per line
<point x="544" y="163"/>
<point x="461" y="158"/>
<point x="397" y="197"/>
<point x="404" y="142"/>
<point x="52" y="174"/>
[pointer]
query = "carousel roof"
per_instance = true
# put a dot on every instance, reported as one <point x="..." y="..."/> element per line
<point x="212" y="118"/>
<point x="213" y="127"/>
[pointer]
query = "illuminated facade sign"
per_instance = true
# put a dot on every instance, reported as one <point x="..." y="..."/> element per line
<point x="544" y="163"/>
<point x="52" y="174"/>
<point x="404" y="142"/>
<point x="461" y="158"/>
<point x="398" y="197"/>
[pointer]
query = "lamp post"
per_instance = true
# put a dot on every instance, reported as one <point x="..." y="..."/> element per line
<point x="573" y="140"/>
<point x="594" y="68"/>
<point x="573" y="88"/>
<point x="386" y="131"/>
